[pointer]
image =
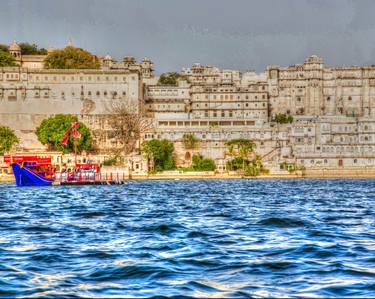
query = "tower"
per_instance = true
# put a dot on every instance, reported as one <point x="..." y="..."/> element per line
<point x="15" y="51"/>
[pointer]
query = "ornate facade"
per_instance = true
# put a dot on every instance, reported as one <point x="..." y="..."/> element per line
<point x="333" y="108"/>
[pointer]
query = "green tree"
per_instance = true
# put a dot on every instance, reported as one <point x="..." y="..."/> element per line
<point x="6" y="59"/>
<point x="170" y="78"/>
<point x="4" y="48"/>
<point x="71" y="58"/>
<point x="281" y="118"/>
<point x="255" y="167"/>
<point x="237" y="163"/>
<point x="190" y="141"/>
<point x="203" y="164"/>
<point x="7" y="139"/>
<point x="160" y="153"/>
<point x="52" y="130"/>
<point x="240" y="149"/>
<point x="32" y="49"/>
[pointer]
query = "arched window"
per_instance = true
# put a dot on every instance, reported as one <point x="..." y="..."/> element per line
<point x="187" y="156"/>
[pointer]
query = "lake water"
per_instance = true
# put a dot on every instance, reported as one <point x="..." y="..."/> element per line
<point x="240" y="238"/>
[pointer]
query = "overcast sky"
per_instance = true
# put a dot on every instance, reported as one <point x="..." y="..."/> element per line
<point x="238" y="34"/>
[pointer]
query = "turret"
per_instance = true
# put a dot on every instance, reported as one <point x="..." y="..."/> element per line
<point x="15" y="51"/>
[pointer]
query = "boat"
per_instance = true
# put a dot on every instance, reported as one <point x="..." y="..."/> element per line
<point x="31" y="170"/>
<point x="39" y="171"/>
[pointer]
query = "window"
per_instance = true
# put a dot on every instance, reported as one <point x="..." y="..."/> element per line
<point x="98" y="93"/>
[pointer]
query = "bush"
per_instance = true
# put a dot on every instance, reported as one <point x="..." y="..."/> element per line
<point x="203" y="164"/>
<point x="290" y="167"/>
<point x="171" y="78"/>
<point x="110" y="161"/>
<point x="283" y="118"/>
<point x="52" y="130"/>
<point x="255" y="167"/>
<point x="237" y="163"/>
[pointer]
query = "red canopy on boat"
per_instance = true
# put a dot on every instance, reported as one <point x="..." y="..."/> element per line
<point x="19" y="159"/>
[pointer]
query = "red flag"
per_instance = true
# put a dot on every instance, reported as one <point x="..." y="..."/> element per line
<point x="65" y="139"/>
<point x="75" y="124"/>
<point x="73" y="130"/>
<point x="76" y="134"/>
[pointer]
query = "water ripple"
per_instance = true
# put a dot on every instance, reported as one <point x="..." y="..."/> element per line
<point x="240" y="238"/>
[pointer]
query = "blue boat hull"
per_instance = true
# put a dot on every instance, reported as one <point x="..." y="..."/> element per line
<point x="26" y="177"/>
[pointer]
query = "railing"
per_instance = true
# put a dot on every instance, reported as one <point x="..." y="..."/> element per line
<point x="89" y="177"/>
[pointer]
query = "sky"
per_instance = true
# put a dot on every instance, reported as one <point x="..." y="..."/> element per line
<point x="235" y="34"/>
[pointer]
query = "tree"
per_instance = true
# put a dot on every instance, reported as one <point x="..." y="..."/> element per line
<point x="128" y="124"/>
<point x="283" y="118"/>
<point x="190" y="141"/>
<point x="7" y="139"/>
<point x="6" y="59"/>
<point x="160" y="153"/>
<point x="255" y="167"/>
<point x="241" y="148"/>
<point x="170" y="78"/>
<point x="4" y="48"/>
<point x="71" y="58"/>
<point x="32" y="49"/>
<point x="52" y="130"/>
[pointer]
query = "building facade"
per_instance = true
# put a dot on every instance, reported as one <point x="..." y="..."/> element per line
<point x="333" y="107"/>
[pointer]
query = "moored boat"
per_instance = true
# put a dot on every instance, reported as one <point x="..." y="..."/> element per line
<point x="31" y="170"/>
<point x="39" y="171"/>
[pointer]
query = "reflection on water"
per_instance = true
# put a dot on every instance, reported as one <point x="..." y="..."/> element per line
<point x="310" y="238"/>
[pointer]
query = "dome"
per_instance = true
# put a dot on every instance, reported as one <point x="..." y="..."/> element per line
<point x="14" y="47"/>
<point x="107" y="57"/>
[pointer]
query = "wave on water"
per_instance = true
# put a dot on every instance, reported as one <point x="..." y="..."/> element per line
<point x="240" y="238"/>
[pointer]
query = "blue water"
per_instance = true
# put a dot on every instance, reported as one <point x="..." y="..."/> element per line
<point x="237" y="238"/>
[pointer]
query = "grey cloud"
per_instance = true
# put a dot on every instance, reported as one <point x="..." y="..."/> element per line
<point x="244" y="34"/>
